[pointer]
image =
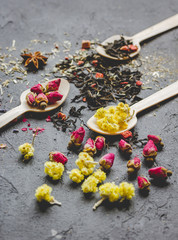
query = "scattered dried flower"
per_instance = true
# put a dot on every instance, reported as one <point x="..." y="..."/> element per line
<point x="150" y="151"/>
<point x="89" y="147"/>
<point x="159" y="173"/>
<point x="143" y="183"/>
<point x="125" y="147"/>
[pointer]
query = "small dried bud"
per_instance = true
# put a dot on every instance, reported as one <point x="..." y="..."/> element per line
<point x="156" y="139"/>
<point x="125" y="147"/>
<point x="76" y="138"/>
<point x="134" y="165"/>
<point x="80" y="63"/>
<point x="61" y="116"/>
<point x="99" y="75"/>
<point x="89" y="147"/>
<point x="95" y="62"/>
<point x="150" y="151"/>
<point x="58" y="157"/>
<point x="53" y="85"/>
<point x="38" y="88"/>
<point x="159" y="173"/>
<point x="100" y="143"/>
<point x="53" y="97"/>
<point x="133" y="48"/>
<point x="107" y="161"/>
<point x="85" y="44"/>
<point x="143" y="183"/>
<point x="41" y="100"/>
<point x="124" y="48"/>
<point x="31" y="99"/>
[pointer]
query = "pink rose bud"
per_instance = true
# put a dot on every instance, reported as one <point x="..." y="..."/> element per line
<point x="76" y="138"/>
<point x="41" y="100"/>
<point x="53" y="85"/>
<point x="100" y="143"/>
<point x="150" y="151"/>
<point x="38" y="88"/>
<point x="156" y="139"/>
<point x="58" y="157"/>
<point x="159" y="173"/>
<point x="143" y="183"/>
<point x="133" y="165"/>
<point x="31" y="99"/>
<point x="107" y="161"/>
<point x="125" y="147"/>
<point x="89" y="147"/>
<point x="53" y="97"/>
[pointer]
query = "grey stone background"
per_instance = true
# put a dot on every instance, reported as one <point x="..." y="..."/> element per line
<point x="151" y="217"/>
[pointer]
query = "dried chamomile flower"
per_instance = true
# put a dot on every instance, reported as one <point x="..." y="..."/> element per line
<point x="126" y="191"/>
<point x="76" y="176"/>
<point x="90" y="184"/>
<point x="54" y="169"/>
<point x="44" y="193"/>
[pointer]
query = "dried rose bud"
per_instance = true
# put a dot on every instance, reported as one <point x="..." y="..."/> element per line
<point x="41" y="100"/>
<point x="58" y="157"/>
<point x="53" y="97"/>
<point x="150" y="151"/>
<point x="76" y="138"/>
<point x="107" y="161"/>
<point x="53" y="85"/>
<point x="156" y="139"/>
<point x="31" y="99"/>
<point x="85" y="44"/>
<point x="143" y="183"/>
<point x="159" y="173"/>
<point x="100" y="143"/>
<point x="133" y="165"/>
<point x="38" y="88"/>
<point x="89" y="147"/>
<point x="125" y="147"/>
<point x="61" y="116"/>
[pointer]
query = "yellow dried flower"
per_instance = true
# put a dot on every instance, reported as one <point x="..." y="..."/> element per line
<point x="43" y="193"/>
<point x="110" y="191"/>
<point x="84" y="162"/>
<point x="126" y="190"/>
<point x="90" y="184"/>
<point x="27" y="150"/>
<point x="100" y="175"/>
<point x="54" y="169"/>
<point x="100" y="113"/>
<point x="76" y="175"/>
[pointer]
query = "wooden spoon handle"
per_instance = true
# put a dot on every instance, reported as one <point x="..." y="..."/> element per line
<point x="165" y="93"/>
<point x="11" y="115"/>
<point x="154" y="30"/>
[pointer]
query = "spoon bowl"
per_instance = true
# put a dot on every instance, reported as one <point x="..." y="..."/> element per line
<point x="165" y="93"/>
<point x="25" y="107"/>
<point x="152" y="31"/>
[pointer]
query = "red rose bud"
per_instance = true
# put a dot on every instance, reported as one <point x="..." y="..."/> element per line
<point x="156" y="139"/>
<point x="159" y="173"/>
<point x="41" y="100"/>
<point x="58" y="157"/>
<point x="107" y="161"/>
<point x="89" y="147"/>
<point x="133" y="165"/>
<point x="100" y="143"/>
<point x="37" y="89"/>
<point x="31" y="99"/>
<point x="53" y="97"/>
<point x="125" y="147"/>
<point x="76" y="138"/>
<point x="99" y="75"/>
<point x="150" y="151"/>
<point x="143" y="183"/>
<point x="53" y="85"/>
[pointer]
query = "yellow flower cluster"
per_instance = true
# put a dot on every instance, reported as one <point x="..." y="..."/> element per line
<point x="54" y="169"/>
<point x="113" y="119"/>
<point x="27" y="150"/>
<point x="76" y="175"/>
<point x="110" y="191"/>
<point x="100" y="175"/>
<point x="84" y="163"/>
<point x="126" y="190"/>
<point x="43" y="193"/>
<point x="90" y="184"/>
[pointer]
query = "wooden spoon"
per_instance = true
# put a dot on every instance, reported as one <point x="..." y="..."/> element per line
<point x="25" y="107"/>
<point x="165" y="93"/>
<point x="161" y="27"/>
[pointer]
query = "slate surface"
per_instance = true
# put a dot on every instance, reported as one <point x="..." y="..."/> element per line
<point x="151" y="217"/>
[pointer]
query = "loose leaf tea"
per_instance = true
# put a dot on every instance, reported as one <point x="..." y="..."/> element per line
<point x="99" y="80"/>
